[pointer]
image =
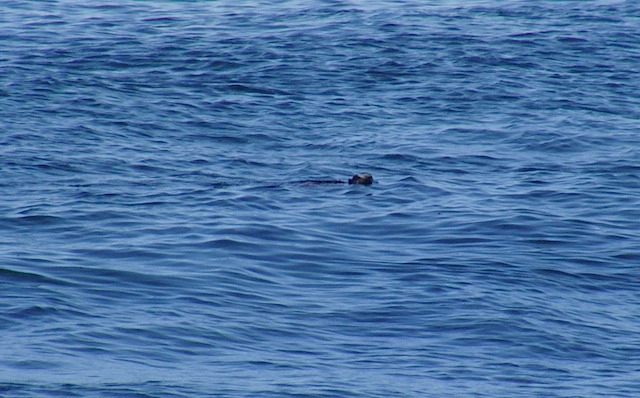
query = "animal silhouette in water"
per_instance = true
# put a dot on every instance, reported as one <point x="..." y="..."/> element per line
<point x="358" y="179"/>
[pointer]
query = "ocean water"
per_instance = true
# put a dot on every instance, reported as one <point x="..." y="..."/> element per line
<point x="157" y="238"/>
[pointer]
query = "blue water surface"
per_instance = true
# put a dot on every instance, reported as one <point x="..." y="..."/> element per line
<point x="157" y="238"/>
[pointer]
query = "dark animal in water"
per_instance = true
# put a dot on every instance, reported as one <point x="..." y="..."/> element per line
<point x="361" y="179"/>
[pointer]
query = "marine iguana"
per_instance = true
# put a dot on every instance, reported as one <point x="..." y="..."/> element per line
<point x="361" y="179"/>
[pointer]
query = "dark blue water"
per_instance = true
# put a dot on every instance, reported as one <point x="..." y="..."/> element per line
<point x="156" y="239"/>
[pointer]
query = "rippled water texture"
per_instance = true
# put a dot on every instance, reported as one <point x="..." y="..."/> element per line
<point x="157" y="238"/>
